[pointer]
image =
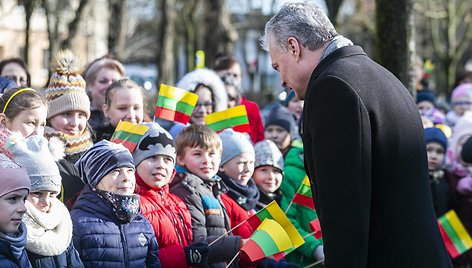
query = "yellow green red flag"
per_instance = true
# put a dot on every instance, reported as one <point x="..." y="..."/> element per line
<point x="175" y="104"/>
<point x="232" y="117"/>
<point x="128" y="134"/>
<point x="455" y="236"/>
<point x="274" y="212"/>
<point x="268" y="239"/>
<point x="303" y="196"/>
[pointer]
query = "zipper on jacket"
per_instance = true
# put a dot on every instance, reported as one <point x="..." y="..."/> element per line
<point x="125" y="245"/>
<point x="187" y="237"/>
<point x="171" y="216"/>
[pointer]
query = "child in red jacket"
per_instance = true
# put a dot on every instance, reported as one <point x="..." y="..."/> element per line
<point x="154" y="158"/>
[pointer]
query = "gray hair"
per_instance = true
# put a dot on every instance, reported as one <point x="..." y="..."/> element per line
<point x="306" y="22"/>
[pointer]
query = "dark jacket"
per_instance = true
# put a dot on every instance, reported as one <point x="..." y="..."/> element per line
<point x="70" y="258"/>
<point x="71" y="182"/>
<point x="12" y="249"/>
<point x="103" y="241"/>
<point x="365" y="154"/>
<point x="209" y="216"/>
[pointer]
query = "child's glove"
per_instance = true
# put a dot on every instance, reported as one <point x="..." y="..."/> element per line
<point x="197" y="254"/>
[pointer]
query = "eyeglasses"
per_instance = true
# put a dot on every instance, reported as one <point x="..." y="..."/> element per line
<point x="463" y="103"/>
<point x="21" y="80"/>
<point x="204" y="104"/>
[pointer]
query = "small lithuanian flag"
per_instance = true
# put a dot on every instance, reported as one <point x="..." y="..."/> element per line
<point x="454" y="235"/>
<point x="175" y="104"/>
<point x="236" y="116"/>
<point x="128" y="134"/>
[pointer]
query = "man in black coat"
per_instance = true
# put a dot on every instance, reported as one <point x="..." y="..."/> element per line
<point x="364" y="146"/>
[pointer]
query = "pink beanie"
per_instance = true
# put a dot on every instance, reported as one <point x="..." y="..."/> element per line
<point x="462" y="90"/>
<point x="12" y="176"/>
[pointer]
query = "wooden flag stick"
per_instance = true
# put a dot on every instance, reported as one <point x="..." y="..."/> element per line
<point x="310" y="234"/>
<point x="232" y="260"/>
<point x="315" y="263"/>
<point x="221" y="236"/>
<point x="289" y="205"/>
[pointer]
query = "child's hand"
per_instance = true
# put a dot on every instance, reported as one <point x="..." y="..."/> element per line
<point x="197" y="254"/>
<point x="464" y="186"/>
<point x="243" y="242"/>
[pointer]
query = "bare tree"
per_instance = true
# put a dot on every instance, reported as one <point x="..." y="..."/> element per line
<point x="395" y="39"/>
<point x="219" y="36"/>
<point x="116" y="29"/>
<point x="57" y="12"/>
<point x="451" y="34"/>
<point x="29" y="6"/>
<point x="333" y="10"/>
<point x="166" y="41"/>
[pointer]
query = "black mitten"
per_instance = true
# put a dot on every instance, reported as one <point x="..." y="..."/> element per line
<point x="197" y="254"/>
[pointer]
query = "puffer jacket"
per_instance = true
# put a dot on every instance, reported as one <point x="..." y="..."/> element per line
<point x="170" y="220"/>
<point x="12" y="249"/>
<point x="209" y="216"/>
<point x="103" y="241"/>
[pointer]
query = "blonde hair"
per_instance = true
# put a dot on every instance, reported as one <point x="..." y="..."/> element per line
<point x="198" y="135"/>
<point x="122" y="83"/>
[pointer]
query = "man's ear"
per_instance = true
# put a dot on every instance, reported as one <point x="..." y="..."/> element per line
<point x="294" y="47"/>
<point x="222" y="169"/>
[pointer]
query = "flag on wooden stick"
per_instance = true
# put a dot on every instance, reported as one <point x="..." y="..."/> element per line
<point x="454" y="235"/>
<point x="236" y="116"/>
<point x="128" y="134"/>
<point x="175" y="104"/>
<point x="316" y="228"/>
<point x="304" y="196"/>
<point x="268" y="239"/>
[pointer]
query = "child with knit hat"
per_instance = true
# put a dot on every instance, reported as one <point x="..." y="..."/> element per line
<point x="154" y="158"/>
<point x="108" y="229"/>
<point x="236" y="169"/>
<point x="461" y="102"/>
<point x="14" y="189"/>
<point x="69" y="110"/>
<point x="426" y="103"/>
<point x="49" y="237"/>
<point x="268" y="172"/>
<point x="436" y="147"/>
<point x="280" y="128"/>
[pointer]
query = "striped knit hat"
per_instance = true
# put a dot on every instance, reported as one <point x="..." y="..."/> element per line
<point x="66" y="90"/>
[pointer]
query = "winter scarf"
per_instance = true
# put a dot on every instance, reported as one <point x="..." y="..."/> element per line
<point x="337" y="42"/>
<point x="245" y="195"/>
<point x="49" y="234"/>
<point x="73" y="144"/>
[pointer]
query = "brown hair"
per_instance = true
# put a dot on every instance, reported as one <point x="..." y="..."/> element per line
<point x="91" y="71"/>
<point x="25" y="100"/>
<point x="224" y="62"/>
<point x="22" y="64"/>
<point x="122" y="83"/>
<point x="198" y="135"/>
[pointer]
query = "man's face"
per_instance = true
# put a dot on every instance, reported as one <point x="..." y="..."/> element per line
<point x="289" y="65"/>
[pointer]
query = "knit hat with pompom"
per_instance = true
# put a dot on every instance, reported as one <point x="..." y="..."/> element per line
<point x="66" y="90"/>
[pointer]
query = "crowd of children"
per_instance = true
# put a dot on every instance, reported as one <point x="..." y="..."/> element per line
<point x="181" y="198"/>
<point x="71" y="198"/>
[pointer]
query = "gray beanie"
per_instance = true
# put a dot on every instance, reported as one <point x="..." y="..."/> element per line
<point x="267" y="154"/>
<point x="155" y="141"/>
<point x="34" y="155"/>
<point x="234" y="144"/>
<point x="101" y="159"/>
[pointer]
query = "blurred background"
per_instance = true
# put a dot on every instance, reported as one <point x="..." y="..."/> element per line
<point x="157" y="40"/>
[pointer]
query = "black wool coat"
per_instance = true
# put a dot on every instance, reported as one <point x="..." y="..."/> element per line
<point x="365" y="155"/>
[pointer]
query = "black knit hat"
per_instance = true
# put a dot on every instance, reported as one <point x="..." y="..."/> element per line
<point x="434" y="134"/>
<point x="281" y="116"/>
